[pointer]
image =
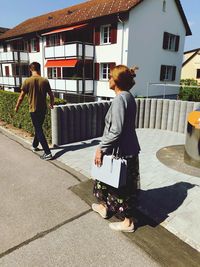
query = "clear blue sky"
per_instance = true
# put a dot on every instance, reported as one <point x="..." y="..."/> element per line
<point x="14" y="12"/>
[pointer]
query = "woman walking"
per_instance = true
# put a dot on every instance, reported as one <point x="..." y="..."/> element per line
<point x="119" y="134"/>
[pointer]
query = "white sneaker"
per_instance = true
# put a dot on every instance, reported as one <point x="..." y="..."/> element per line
<point x="35" y="149"/>
<point x="119" y="226"/>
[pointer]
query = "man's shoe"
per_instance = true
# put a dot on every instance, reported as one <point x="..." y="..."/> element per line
<point x="102" y="212"/>
<point x="35" y="149"/>
<point x="46" y="156"/>
<point x="119" y="226"/>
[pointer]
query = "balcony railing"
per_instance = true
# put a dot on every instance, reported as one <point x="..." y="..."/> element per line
<point x="75" y="49"/>
<point x="12" y="81"/>
<point x="14" y="56"/>
<point x="74" y="86"/>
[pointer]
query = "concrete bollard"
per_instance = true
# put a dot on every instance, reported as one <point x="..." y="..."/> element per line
<point x="147" y="113"/>
<point x="165" y="111"/>
<point x="137" y="101"/>
<point x="56" y="126"/>
<point x="159" y="114"/>
<point x="176" y="116"/>
<point x="141" y="113"/>
<point x="71" y="113"/>
<point x="152" y="117"/>
<point x="94" y="120"/>
<point x="182" y="117"/>
<point x="64" y="122"/>
<point x="170" y="115"/>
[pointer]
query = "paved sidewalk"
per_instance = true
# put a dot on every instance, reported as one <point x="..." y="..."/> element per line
<point x="56" y="237"/>
<point x="169" y="197"/>
<point x="43" y="223"/>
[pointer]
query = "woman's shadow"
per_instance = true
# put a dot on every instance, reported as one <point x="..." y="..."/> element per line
<point x="160" y="202"/>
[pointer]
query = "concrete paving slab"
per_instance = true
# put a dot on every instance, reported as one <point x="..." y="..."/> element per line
<point x="164" y="247"/>
<point x="34" y="195"/>
<point x="163" y="191"/>
<point x="86" y="241"/>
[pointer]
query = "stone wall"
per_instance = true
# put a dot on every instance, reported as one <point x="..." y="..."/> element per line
<point x="78" y="122"/>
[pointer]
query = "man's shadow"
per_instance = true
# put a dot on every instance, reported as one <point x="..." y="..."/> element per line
<point x="74" y="147"/>
<point x="160" y="202"/>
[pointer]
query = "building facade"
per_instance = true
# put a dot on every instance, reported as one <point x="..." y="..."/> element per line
<point x="191" y="65"/>
<point x="78" y="46"/>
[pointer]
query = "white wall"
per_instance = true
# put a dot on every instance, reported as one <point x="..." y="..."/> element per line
<point x="112" y="53"/>
<point x="38" y="57"/>
<point x="147" y="23"/>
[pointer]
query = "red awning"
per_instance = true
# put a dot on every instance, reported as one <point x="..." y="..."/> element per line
<point x="61" y="63"/>
<point x="65" y="29"/>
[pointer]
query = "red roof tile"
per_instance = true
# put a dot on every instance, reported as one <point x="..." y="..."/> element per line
<point x="71" y="16"/>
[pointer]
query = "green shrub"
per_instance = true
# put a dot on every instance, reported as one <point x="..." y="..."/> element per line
<point x="189" y="93"/>
<point x="22" y="119"/>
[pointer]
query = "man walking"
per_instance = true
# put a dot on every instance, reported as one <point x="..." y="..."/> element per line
<point x="37" y="88"/>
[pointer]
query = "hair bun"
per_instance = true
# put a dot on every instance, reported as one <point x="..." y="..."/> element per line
<point x="133" y="69"/>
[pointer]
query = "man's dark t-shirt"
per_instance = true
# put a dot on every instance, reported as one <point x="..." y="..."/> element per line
<point x="36" y="88"/>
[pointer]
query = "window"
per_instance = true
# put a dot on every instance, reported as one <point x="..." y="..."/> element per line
<point x="53" y="40"/>
<point x="198" y="74"/>
<point x="167" y="73"/>
<point x="33" y="45"/>
<point x="54" y="73"/>
<point x="170" y="41"/>
<point x="25" y="70"/>
<point x="105" y="70"/>
<point x="22" y="70"/>
<point x="5" y="49"/>
<point x="106" y="34"/>
<point x="18" y="45"/>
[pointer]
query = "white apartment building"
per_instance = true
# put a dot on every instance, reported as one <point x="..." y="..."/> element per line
<point x="77" y="46"/>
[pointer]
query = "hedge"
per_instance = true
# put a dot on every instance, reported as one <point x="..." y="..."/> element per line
<point x="22" y="119"/>
<point x="190" y="93"/>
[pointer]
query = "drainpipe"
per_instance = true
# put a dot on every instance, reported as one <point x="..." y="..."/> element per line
<point x="122" y="44"/>
<point x="42" y="50"/>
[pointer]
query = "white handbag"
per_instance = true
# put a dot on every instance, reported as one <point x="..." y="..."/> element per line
<point x="112" y="171"/>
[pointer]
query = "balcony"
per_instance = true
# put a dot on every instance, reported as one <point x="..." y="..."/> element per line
<point x="14" y="56"/>
<point x="12" y="81"/>
<point x="75" y="50"/>
<point x="72" y="86"/>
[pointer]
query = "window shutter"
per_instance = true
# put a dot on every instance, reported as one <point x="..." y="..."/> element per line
<point x="112" y="65"/>
<point x="7" y="71"/>
<point x="165" y="40"/>
<point x="38" y="45"/>
<point x="96" y="71"/>
<point x="177" y="43"/>
<point x="162" y="72"/>
<point x="47" y="40"/>
<point x="174" y="73"/>
<point x="29" y="46"/>
<point x="58" y="73"/>
<point x="114" y="33"/>
<point x="97" y="36"/>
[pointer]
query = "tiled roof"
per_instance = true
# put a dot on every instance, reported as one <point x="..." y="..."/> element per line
<point x="73" y="15"/>
<point x="2" y="30"/>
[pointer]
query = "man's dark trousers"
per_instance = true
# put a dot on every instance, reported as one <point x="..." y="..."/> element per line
<point x="37" y="118"/>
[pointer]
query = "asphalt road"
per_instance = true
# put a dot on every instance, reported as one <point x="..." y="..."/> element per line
<point x="44" y="223"/>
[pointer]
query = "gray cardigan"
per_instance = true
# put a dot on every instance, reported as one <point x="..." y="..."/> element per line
<point x="119" y="128"/>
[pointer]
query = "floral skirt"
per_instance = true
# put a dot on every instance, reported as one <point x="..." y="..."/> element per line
<point x="121" y="201"/>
